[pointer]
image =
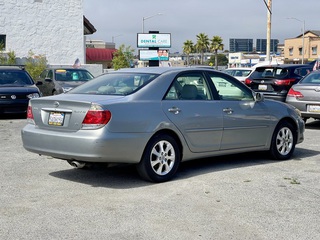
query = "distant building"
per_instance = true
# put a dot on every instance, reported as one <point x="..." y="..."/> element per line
<point x="294" y="52"/>
<point x="241" y="45"/>
<point x="261" y="45"/>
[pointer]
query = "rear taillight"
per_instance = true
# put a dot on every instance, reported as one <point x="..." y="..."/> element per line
<point x="285" y="82"/>
<point x="30" y="118"/>
<point x="293" y="93"/>
<point x="247" y="81"/>
<point x="96" y="117"/>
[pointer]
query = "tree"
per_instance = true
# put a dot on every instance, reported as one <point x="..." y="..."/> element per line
<point x="202" y="44"/>
<point x="123" y="57"/>
<point x="222" y="60"/>
<point x="35" y="64"/>
<point x="215" y="45"/>
<point x="188" y="47"/>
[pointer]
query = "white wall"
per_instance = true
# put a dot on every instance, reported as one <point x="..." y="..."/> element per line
<point x="53" y="28"/>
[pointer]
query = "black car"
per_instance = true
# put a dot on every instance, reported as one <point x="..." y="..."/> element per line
<point x="16" y="89"/>
<point x="58" y="80"/>
<point x="275" y="81"/>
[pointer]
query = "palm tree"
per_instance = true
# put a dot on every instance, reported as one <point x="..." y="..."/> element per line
<point x="215" y="45"/>
<point x="188" y="48"/>
<point x="202" y="44"/>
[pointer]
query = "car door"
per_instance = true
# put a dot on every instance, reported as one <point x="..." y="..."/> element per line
<point x="189" y="105"/>
<point x="245" y="121"/>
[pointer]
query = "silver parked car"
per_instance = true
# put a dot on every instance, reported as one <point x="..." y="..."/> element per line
<point x="305" y="96"/>
<point x="156" y="118"/>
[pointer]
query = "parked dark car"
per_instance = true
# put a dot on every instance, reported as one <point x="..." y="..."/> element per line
<point x="61" y="80"/>
<point x="275" y="81"/>
<point x="305" y="96"/>
<point x="16" y="89"/>
<point x="158" y="117"/>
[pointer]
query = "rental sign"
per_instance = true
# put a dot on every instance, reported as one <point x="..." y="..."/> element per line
<point x="147" y="40"/>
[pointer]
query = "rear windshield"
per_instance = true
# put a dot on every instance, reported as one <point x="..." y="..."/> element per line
<point x="270" y="72"/>
<point x="312" y="78"/>
<point x="115" y="84"/>
<point x="14" y="78"/>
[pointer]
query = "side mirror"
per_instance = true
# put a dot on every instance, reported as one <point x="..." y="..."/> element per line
<point x="48" y="80"/>
<point x="39" y="83"/>
<point x="258" y="97"/>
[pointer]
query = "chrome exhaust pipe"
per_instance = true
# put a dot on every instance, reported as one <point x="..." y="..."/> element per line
<point x="77" y="164"/>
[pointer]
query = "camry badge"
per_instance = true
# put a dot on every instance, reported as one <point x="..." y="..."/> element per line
<point x="262" y="81"/>
<point x="317" y="89"/>
<point x="13" y="97"/>
<point x="56" y="104"/>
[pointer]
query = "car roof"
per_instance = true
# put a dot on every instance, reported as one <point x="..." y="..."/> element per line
<point x="286" y="66"/>
<point x="12" y="67"/>
<point x="160" y="70"/>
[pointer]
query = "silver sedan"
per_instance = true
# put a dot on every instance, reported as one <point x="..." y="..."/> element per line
<point x="157" y="117"/>
<point x="305" y="96"/>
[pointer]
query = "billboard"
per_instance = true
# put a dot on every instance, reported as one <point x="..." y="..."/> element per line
<point x="147" y="40"/>
<point x="161" y="55"/>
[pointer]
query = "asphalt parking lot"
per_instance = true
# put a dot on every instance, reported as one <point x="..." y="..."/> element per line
<point x="245" y="196"/>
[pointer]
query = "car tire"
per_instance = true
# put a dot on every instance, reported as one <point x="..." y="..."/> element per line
<point x="160" y="159"/>
<point x="283" y="141"/>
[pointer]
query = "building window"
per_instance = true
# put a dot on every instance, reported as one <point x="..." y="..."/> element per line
<point x="314" y="50"/>
<point x="2" y="42"/>
<point x="300" y="51"/>
<point x="290" y="51"/>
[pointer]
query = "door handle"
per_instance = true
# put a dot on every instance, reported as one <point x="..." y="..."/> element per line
<point x="174" y="110"/>
<point x="228" y="110"/>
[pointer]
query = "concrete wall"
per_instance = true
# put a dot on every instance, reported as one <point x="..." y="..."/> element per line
<point x="53" y="28"/>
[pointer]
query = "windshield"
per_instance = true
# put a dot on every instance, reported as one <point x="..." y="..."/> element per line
<point x="115" y="84"/>
<point x="72" y="75"/>
<point x="14" y="78"/>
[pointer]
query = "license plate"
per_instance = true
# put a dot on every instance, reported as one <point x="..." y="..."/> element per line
<point x="56" y="118"/>
<point x="314" y="108"/>
<point x="262" y="87"/>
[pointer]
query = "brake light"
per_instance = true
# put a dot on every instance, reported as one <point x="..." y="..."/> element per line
<point x="285" y="82"/>
<point x="96" y="117"/>
<point x="293" y="93"/>
<point x="30" y="118"/>
<point x="248" y="81"/>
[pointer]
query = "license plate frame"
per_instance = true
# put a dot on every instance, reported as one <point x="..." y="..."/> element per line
<point x="56" y="118"/>
<point x="263" y="87"/>
<point x="313" y="108"/>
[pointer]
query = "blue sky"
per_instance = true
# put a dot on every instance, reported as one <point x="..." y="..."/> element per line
<point x="121" y="20"/>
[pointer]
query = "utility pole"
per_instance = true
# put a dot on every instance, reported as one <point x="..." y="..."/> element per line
<point x="269" y="4"/>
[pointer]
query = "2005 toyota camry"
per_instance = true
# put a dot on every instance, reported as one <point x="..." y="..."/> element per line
<point x="157" y="117"/>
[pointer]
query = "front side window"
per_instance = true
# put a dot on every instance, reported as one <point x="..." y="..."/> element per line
<point x="230" y="90"/>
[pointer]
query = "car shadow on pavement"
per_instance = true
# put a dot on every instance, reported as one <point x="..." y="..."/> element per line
<point x="125" y="176"/>
<point x="315" y="124"/>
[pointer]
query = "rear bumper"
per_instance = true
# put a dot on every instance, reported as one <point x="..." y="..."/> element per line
<point x="85" y="145"/>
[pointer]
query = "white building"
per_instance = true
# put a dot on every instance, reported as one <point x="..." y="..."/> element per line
<point x="54" y="28"/>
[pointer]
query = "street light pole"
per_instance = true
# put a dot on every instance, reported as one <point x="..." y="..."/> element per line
<point x="113" y="37"/>
<point x="303" y="30"/>
<point x="145" y="18"/>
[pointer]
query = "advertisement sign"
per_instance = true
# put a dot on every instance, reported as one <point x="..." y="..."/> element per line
<point x="161" y="55"/>
<point x="147" y="40"/>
